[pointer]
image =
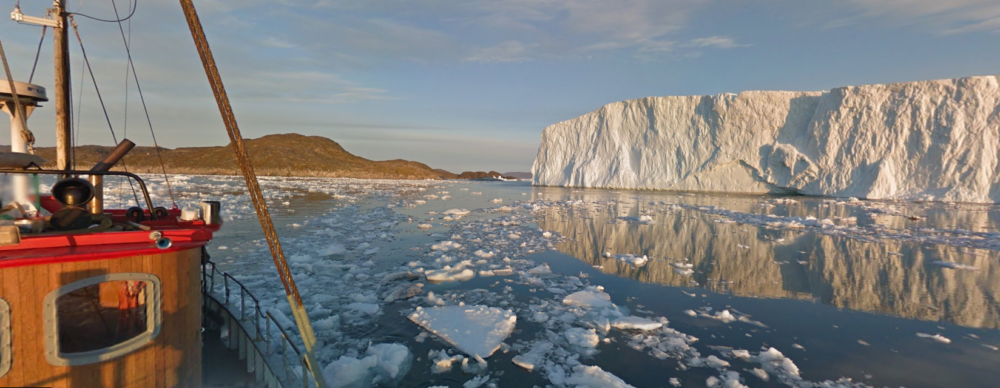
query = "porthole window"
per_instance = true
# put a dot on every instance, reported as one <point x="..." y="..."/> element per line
<point x="5" y="352"/>
<point x="101" y="317"/>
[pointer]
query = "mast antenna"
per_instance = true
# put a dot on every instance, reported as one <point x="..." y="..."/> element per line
<point x="56" y="18"/>
<point x="47" y="21"/>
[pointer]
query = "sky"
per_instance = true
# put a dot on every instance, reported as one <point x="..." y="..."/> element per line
<point x="470" y="84"/>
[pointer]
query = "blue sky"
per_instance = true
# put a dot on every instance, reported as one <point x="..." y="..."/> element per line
<point x="471" y="84"/>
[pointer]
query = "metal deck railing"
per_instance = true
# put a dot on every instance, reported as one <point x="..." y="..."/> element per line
<point x="251" y="331"/>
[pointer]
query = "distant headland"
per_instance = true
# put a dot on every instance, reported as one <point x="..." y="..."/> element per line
<point x="287" y="154"/>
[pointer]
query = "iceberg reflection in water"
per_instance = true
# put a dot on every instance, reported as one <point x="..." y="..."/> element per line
<point x="899" y="278"/>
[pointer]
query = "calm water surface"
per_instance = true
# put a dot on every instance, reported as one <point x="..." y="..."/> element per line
<point x="838" y="304"/>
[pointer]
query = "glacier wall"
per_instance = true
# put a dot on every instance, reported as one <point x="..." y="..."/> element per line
<point x="928" y="140"/>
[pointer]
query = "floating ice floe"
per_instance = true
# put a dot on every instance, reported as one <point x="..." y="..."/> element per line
<point x="591" y="298"/>
<point x="456" y="212"/>
<point x="936" y="337"/>
<point x="367" y="308"/>
<point x="635" y="323"/>
<point x="450" y="274"/>
<point x="485" y="255"/>
<point x="332" y="249"/>
<point x="630" y="259"/>
<point x="403" y="291"/>
<point x="954" y="265"/>
<point x="445" y="246"/>
<point x="726" y="316"/>
<point x="540" y="270"/>
<point x="594" y="376"/>
<point x="534" y="357"/>
<point x="474" y="330"/>
<point x="582" y="338"/>
<point x="382" y="363"/>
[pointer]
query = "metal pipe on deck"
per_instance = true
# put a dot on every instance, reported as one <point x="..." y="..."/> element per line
<point x="114" y="157"/>
<point x="96" y="205"/>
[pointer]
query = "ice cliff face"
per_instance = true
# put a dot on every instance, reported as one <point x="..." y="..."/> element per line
<point x="928" y="140"/>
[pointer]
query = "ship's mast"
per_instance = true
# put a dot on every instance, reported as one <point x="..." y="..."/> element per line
<point x="64" y="134"/>
<point x="56" y="19"/>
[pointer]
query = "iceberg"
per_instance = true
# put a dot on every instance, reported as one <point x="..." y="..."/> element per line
<point x="926" y="140"/>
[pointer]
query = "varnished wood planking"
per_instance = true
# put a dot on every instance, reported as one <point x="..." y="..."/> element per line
<point x="173" y="359"/>
<point x="159" y="358"/>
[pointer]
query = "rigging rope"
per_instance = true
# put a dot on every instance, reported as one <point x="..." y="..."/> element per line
<point x="128" y="43"/>
<point x="37" y="53"/>
<point x="117" y="20"/>
<point x="125" y="121"/>
<point x="156" y="146"/>
<point x="79" y="105"/>
<point x="243" y="160"/>
<point x="29" y="138"/>
<point x="86" y="60"/>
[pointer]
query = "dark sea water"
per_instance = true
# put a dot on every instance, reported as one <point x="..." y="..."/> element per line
<point x="882" y="293"/>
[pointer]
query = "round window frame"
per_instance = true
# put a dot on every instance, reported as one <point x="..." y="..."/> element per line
<point x="51" y="321"/>
<point x="5" y="334"/>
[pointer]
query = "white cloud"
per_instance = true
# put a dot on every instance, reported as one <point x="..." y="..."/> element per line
<point x="941" y="16"/>
<point x="721" y="42"/>
<point x="509" y="51"/>
<point x="467" y="30"/>
<point x="272" y="41"/>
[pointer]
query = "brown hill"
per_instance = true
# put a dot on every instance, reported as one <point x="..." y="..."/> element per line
<point x="274" y="155"/>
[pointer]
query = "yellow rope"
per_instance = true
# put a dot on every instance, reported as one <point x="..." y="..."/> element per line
<point x="243" y="160"/>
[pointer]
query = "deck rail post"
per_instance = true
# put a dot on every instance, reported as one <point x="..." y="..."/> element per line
<point x="225" y="279"/>
<point x="267" y="321"/>
<point x="243" y="303"/>
<point x="284" y="356"/>
<point x="256" y="317"/>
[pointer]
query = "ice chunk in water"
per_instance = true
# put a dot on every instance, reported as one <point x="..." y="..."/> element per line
<point x="630" y="259"/>
<point x="594" y="376"/>
<point x="475" y="330"/>
<point x="449" y="275"/>
<point x="954" y="265"/>
<point x="583" y="338"/>
<point x="591" y="298"/>
<point x="936" y="337"/>
<point x="442" y="361"/>
<point x="403" y="291"/>
<point x="390" y="361"/>
<point x="332" y="249"/>
<point x="540" y="270"/>
<point x="774" y="361"/>
<point x="715" y="362"/>
<point x="476" y="382"/>
<point x="367" y="308"/>
<point x="474" y="365"/>
<point x="393" y="359"/>
<point x="534" y="357"/>
<point x="635" y="323"/>
<point x="350" y="372"/>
